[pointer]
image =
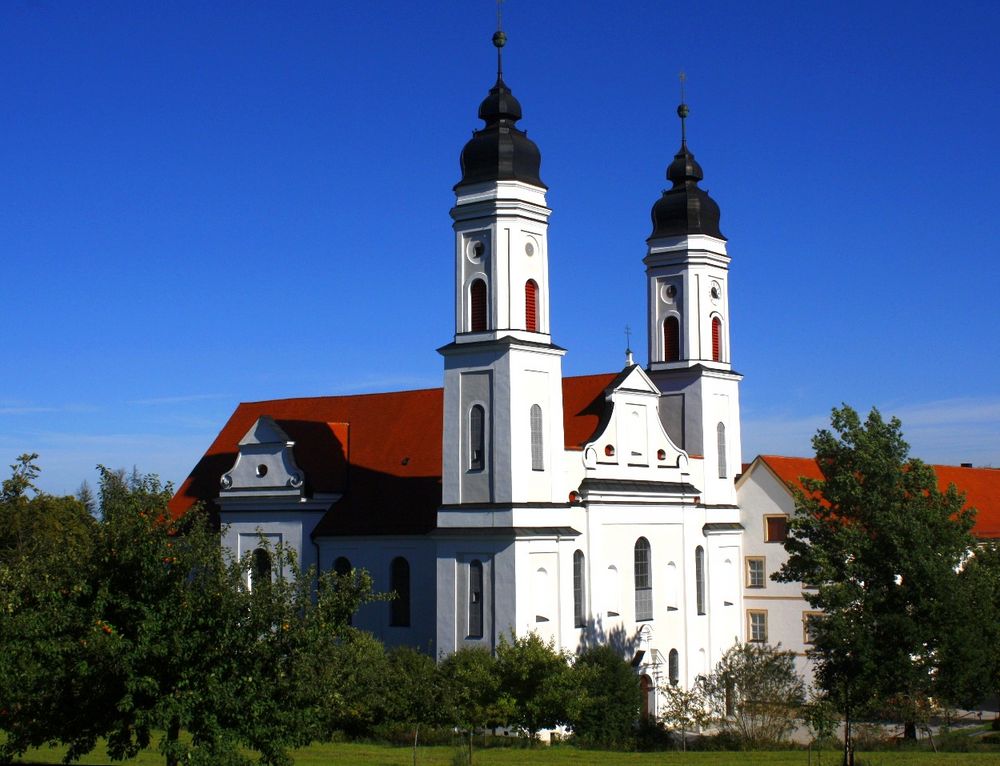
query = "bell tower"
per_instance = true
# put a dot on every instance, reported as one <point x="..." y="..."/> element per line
<point x="687" y="289"/>
<point x="503" y="431"/>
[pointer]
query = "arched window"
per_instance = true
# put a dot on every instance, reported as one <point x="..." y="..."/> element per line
<point x="260" y="567"/>
<point x="399" y="581"/>
<point x="531" y="305"/>
<point x="476" y="599"/>
<point x="477" y="306"/>
<point x="674" y="667"/>
<point x="477" y="438"/>
<point x="342" y="565"/>
<point x="720" y="433"/>
<point x="671" y="339"/>
<point x="643" y="581"/>
<point x="699" y="578"/>
<point x="579" y="593"/>
<point x="716" y="339"/>
<point x="537" y="451"/>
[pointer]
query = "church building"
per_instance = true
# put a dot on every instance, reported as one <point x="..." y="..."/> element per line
<point x="592" y="509"/>
<point x="588" y="509"/>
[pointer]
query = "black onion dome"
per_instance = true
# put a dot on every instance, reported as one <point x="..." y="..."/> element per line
<point x="500" y="151"/>
<point x="685" y="208"/>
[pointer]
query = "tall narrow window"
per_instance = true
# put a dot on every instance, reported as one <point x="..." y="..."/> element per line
<point x="537" y="451"/>
<point x="720" y="433"/>
<point x="643" y="581"/>
<point x="531" y="305"/>
<point x="477" y="306"/>
<point x="612" y="585"/>
<point x="671" y="340"/>
<point x="399" y="581"/>
<point x="477" y="438"/>
<point x="260" y="567"/>
<point x="579" y="594"/>
<point x="476" y="599"/>
<point x="674" y="667"/>
<point x="699" y="578"/>
<point x="716" y="339"/>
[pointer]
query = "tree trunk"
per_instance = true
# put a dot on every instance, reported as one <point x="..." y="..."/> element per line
<point x="848" y="749"/>
<point x="173" y="735"/>
<point x="416" y="735"/>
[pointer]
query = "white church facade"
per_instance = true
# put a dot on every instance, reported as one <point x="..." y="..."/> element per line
<point x="599" y="508"/>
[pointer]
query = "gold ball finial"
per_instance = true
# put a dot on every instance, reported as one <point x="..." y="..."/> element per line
<point x="499" y="38"/>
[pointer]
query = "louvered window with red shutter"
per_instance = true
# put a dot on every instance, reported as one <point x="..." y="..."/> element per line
<point x="531" y="306"/>
<point x="477" y="306"/>
<point x="716" y="340"/>
<point x="671" y="340"/>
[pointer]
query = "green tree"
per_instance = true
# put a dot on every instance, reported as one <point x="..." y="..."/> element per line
<point x="606" y="704"/>
<point x="535" y="678"/>
<point x="47" y="627"/>
<point x="754" y="693"/>
<point x="881" y="548"/>
<point x="470" y="687"/>
<point x="683" y="709"/>
<point x="149" y="627"/>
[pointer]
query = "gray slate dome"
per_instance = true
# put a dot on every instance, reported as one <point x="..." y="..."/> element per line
<point x="685" y="208"/>
<point x="500" y="151"/>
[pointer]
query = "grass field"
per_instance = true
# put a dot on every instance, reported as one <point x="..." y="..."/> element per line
<point x="384" y="755"/>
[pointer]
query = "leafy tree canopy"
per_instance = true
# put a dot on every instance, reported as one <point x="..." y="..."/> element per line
<point x="881" y="549"/>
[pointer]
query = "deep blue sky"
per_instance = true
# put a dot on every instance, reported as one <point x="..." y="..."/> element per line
<point x="205" y="203"/>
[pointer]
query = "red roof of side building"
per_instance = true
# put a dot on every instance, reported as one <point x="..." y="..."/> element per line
<point x="980" y="485"/>
<point x="382" y="451"/>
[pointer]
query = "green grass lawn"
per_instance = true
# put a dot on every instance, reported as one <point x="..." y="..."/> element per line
<point x="348" y="754"/>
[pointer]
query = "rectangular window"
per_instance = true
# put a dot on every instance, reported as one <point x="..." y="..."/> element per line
<point x="537" y="447"/>
<point x="755" y="572"/>
<point x="809" y="626"/>
<point x="757" y="625"/>
<point x="776" y="529"/>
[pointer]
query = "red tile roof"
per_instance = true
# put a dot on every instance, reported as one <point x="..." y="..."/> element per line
<point x="382" y="451"/>
<point x="980" y="485"/>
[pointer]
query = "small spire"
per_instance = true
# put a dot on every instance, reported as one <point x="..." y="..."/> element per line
<point x="499" y="40"/>
<point x="682" y="110"/>
<point x="628" y="347"/>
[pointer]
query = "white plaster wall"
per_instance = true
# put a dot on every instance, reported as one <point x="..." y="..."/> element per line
<point x="375" y="555"/>
<point x="762" y="494"/>
<point x="292" y="528"/>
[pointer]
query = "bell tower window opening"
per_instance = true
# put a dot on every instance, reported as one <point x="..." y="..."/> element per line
<point x="477" y="306"/>
<point x="537" y="445"/>
<point x="720" y="432"/>
<point x="716" y="339"/>
<point x="671" y="339"/>
<point x="531" y="306"/>
<point x="643" y="581"/>
<point x="476" y="599"/>
<point x="399" y="581"/>
<point x="477" y="438"/>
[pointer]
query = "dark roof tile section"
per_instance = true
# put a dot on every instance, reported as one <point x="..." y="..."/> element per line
<point x="381" y="451"/>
